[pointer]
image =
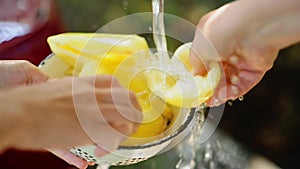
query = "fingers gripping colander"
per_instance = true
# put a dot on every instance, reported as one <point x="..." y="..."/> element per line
<point x="126" y="155"/>
<point x="131" y="154"/>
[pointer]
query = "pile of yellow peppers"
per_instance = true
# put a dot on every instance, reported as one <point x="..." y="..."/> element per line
<point x="127" y="57"/>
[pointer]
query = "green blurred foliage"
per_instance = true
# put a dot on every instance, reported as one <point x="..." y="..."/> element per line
<point x="80" y="15"/>
<point x="90" y="15"/>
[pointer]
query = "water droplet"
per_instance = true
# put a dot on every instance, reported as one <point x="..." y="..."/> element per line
<point x="201" y="107"/>
<point x="230" y="103"/>
<point x="234" y="79"/>
<point x="208" y="154"/>
<point x="216" y="101"/>
<point x="241" y="98"/>
<point x="125" y="4"/>
<point x="233" y="59"/>
<point x="234" y="90"/>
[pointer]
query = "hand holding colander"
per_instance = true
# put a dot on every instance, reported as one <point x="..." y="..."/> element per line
<point x="126" y="155"/>
<point x="135" y="150"/>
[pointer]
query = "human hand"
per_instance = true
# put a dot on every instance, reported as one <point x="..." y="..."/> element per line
<point x="20" y="72"/>
<point x="243" y="61"/>
<point x="245" y="38"/>
<point x="71" y="158"/>
<point x="75" y="111"/>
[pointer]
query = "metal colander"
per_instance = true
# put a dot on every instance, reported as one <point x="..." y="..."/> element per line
<point x="131" y="154"/>
<point x="126" y="155"/>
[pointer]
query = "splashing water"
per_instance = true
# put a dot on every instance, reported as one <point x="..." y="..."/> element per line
<point x="125" y="4"/>
<point x="187" y="153"/>
<point x="159" y="30"/>
<point x="188" y="149"/>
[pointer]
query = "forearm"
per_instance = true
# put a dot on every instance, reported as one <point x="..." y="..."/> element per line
<point x="11" y="119"/>
<point x="275" y="23"/>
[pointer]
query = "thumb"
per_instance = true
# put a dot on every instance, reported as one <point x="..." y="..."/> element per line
<point x="202" y="52"/>
<point x="198" y="67"/>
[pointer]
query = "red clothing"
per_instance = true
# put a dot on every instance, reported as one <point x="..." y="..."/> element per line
<point x="34" y="48"/>
<point x="23" y="31"/>
<point x="16" y="159"/>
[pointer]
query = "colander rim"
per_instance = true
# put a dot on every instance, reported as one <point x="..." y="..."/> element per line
<point x="181" y="128"/>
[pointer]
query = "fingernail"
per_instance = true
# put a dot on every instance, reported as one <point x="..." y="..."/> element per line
<point x="81" y="165"/>
<point x="91" y="163"/>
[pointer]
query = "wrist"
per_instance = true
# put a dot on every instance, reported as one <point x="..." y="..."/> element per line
<point x="12" y="119"/>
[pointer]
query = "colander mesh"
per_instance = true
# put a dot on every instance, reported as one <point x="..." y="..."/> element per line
<point x="90" y="158"/>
